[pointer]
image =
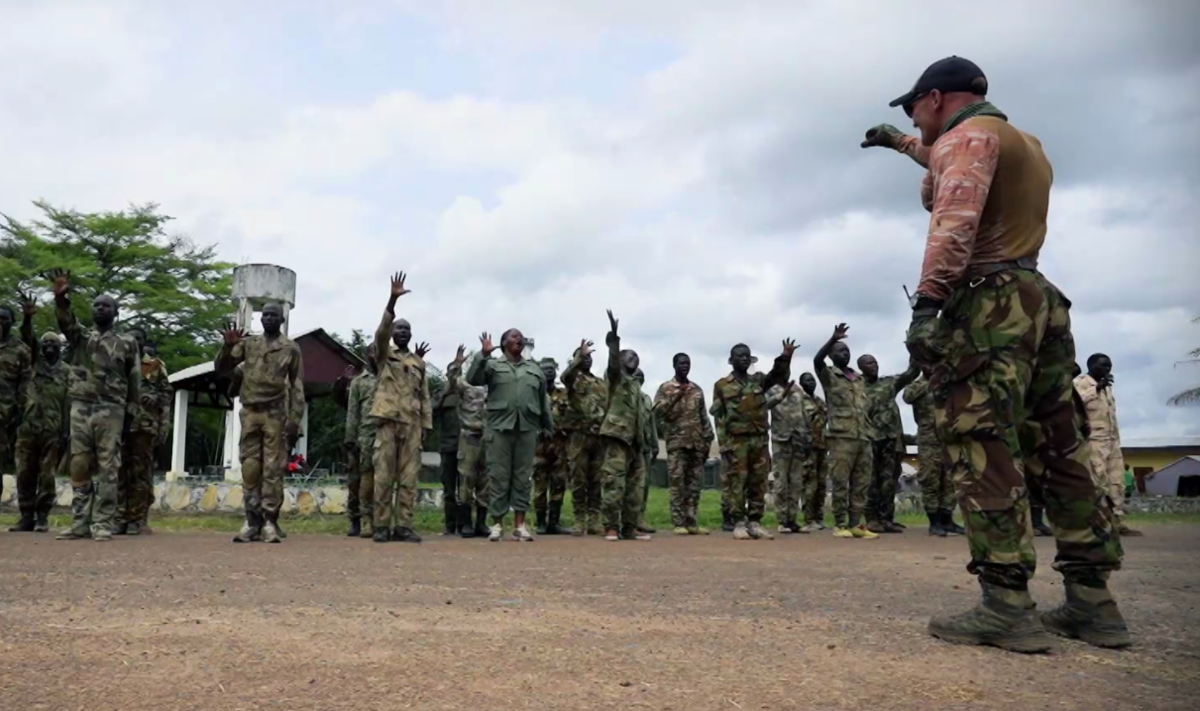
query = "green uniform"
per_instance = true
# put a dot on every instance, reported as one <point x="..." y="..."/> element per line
<point x="850" y="456"/>
<point x="887" y="444"/>
<point x="623" y="472"/>
<point x="816" y="470"/>
<point x="649" y="448"/>
<point x="445" y="423"/>
<point x="587" y="396"/>
<point x="470" y="404"/>
<point x="791" y="444"/>
<point x="937" y="489"/>
<point x="361" y="428"/>
<point x="550" y="462"/>
<point x="682" y="420"/>
<point x="518" y="409"/>
<point x="135" y="485"/>
<point x="16" y="372"/>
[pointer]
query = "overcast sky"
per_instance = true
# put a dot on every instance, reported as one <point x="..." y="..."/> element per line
<point x="691" y="164"/>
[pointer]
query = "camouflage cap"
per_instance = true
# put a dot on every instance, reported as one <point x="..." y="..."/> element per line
<point x="51" y="336"/>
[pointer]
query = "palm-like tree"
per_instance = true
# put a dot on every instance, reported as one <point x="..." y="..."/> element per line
<point x="1191" y="396"/>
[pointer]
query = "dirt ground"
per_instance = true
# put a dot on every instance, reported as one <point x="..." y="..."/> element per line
<point x="191" y="621"/>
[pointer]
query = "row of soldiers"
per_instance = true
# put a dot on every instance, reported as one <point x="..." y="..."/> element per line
<point x="95" y="401"/>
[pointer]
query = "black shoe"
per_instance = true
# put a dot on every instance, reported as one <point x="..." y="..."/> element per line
<point x="463" y="522"/>
<point x="543" y="521"/>
<point x="25" y="525"/>
<point x="726" y="523"/>
<point x="1040" y="529"/>
<point x="404" y="534"/>
<point x="120" y="529"/>
<point x="892" y="527"/>
<point x="449" y="516"/>
<point x="555" y="527"/>
<point x="952" y="528"/>
<point x="43" y="522"/>
<point x="380" y="535"/>
<point x="899" y="525"/>
<point x="355" y="527"/>
<point x="935" y="524"/>
<point x="481" y="526"/>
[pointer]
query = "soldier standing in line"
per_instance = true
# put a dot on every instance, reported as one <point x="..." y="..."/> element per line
<point x="740" y="411"/>
<point x="679" y="406"/>
<point x="472" y="449"/>
<point x="996" y="335"/>
<point x="1095" y="388"/>
<point x="849" y="440"/>
<point x="550" y="460"/>
<point x="445" y="421"/>
<point x="887" y="441"/>
<point x="16" y="370"/>
<point x="104" y="390"/>
<point x="152" y="363"/>
<point x="42" y="415"/>
<point x="937" y="489"/>
<point x="815" y="469"/>
<point x="402" y="410"/>
<point x="649" y="448"/>
<point x="791" y="445"/>
<point x="136" y="479"/>
<point x="272" y="396"/>
<point x="359" y="445"/>
<point x="518" y="410"/>
<point x="587" y="397"/>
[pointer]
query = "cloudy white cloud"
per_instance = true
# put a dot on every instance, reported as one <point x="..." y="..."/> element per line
<point x="693" y="166"/>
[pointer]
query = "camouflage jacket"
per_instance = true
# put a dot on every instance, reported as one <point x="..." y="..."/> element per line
<point x="649" y="428"/>
<point x="789" y="419"/>
<point x="516" y="394"/>
<point x="883" y="414"/>
<point x="360" y="425"/>
<point x="47" y="408"/>
<point x="846" y="393"/>
<point x="472" y="400"/>
<point x="154" y="403"/>
<point x="272" y="373"/>
<point x="587" y="397"/>
<point x="623" y="418"/>
<point x="818" y="417"/>
<point x="16" y="370"/>
<point x="1101" y="408"/>
<point x="921" y="399"/>
<point x="740" y="407"/>
<point x="402" y="393"/>
<point x="556" y="438"/>
<point x="105" y="367"/>
<point x="445" y="417"/>
<point x="681" y="416"/>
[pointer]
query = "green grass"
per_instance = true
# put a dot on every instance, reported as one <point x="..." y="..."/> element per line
<point x="429" y="520"/>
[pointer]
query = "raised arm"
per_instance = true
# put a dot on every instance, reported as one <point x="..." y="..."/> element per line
<point x="611" y="339"/>
<point x="575" y="366"/>
<point x="28" y="309"/>
<point x="383" y="334"/>
<point x="781" y="370"/>
<point x="479" y="374"/>
<point x="904" y="379"/>
<point x="776" y="395"/>
<point x="839" y="332"/>
<point x="68" y="325"/>
<point x="233" y="350"/>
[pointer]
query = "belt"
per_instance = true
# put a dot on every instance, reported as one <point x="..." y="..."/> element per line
<point x="982" y="270"/>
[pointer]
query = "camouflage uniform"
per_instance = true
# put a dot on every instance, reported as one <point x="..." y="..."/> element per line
<point x="624" y="469"/>
<point x="39" y="437"/>
<point x="361" y="429"/>
<point x="816" y="470"/>
<point x="587" y="397"/>
<point x="791" y="444"/>
<point x="740" y="411"/>
<point x="104" y="390"/>
<point x="445" y="421"/>
<point x="135" y="483"/>
<point x="688" y="433"/>
<point x="849" y="458"/>
<point x="272" y="395"/>
<point x="937" y="489"/>
<point x="550" y="464"/>
<point x="16" y="370"/>
<point x="887" y="445"/>
<point x="471" y="402"/>
<point x="649" y="450"/>
<point x="1107" y="463"/>
<point x="403" y="410"/>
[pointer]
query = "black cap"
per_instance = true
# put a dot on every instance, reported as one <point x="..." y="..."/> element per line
<point x="946" y="75"/>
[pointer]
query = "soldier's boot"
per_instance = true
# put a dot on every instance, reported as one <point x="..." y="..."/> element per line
<point x="251" y="528"/>
<point x="898" y="525"/>
<point x="950" y="527"/>
<point x="1124" y="529"/>
<point x="449" y="516"/>
<point x="381" y="535"/>
<point x="542" y="516"/>
<point x="935" y="524"/>
<point x="892" y="527"/>
<point x="366" y="527"/>
<point x="270" y="530"/>
<point x="133" y="528"/>
<point x="1038" y="514"/>
<point x="482" y="530"/>
<point x="555" y="528"/>
<point x="355" y="527"/>
<point x="740" y="532"/>
<point x="876" y="527"/>
<point x="43" y="522"/>
<point x="25" y="524"/>
<point x="1090" y="614"/>
<point x="594" y="527"/>
<point x="644" y="527"/>
<point x="465" y="528"/>
<point x="756" y="531"/>
<point x="404" y="534"/>
<point x="727" y="523"/>
<point x="1005" y="618"/>
<point x="81" y="514"/>
<point x="121" y="529"/>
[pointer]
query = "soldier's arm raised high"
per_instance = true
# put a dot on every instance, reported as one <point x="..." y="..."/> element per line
<point x="383" y="334"/>
<point x="576" y="365"/>
<point x="781" y="370"/>
<point x="612" y="373"/>
<point x="839" y="332"/>
<point x="68" y="325"/>
<point x="28" y="309"/>
<point x="479" y="374"/>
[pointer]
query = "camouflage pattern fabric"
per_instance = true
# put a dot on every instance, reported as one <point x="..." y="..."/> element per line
<point x="649" y="447"/>
<point x="96" y="430"/>
<point x="1006" y="407"/>
<point x="740" y="406"/>
<point x="937" y="488"/>
<point x="816" y="471"/>
<point x="472" y="469"/>
<point x="682" y="416"/>
<point x="38" y="457"/>
<point x="585" y="455"/>
<point x="747" y="462"/>
<point x="846" y="393"/>
<point x="360" y="430"/>
<point x="271" y="369"/>
<point x="471" y="400"/>
<point x="625" y="423"/>
<point x="16" y="372"/>
<point x="624" y="416"/>
<point x="818" y="419"/>
<point x="1107" y="462"/>
<point x="621" y="480"/>
<point x="685" y="475"/>
<point x="365" y="466"/>
<point x="135" y="483"/>
<point x="263" y="453"/>
<point x="397" y="458"/>
<point x="587" y="398"/>
<point x="550" y="457"/>
<point x="789" y="459"/>
<point x="885" y="476"/>
<point x="850" y="469"/>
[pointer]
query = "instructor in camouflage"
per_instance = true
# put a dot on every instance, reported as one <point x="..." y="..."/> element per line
<point x="996" y="336"/>
<point x="680" y="408"/>
<point x="887" y="441"/>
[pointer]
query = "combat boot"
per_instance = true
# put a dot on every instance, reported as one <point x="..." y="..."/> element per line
<point x="251" y="528"/>
<point x="404" y="534"/>
<point x="555" y="527"/>
<point x="1124" y="529"/>
<point x="950" y="527"/>
<point x="81" y="514"/>
<point x="367" y="529"/>
<point x="43" y="522"/>
<point x="935" y="524"/>
<point x="450" y="517"/>
<point x="380" y="535"/>
<point x="1005" y="618"/>
<point x="741" y="533"/>
<point x="594" y="527"/>
<point x="892" y="527"/>
<point x="1038" y="513"/>
<point x="120" y="529"/>
<point x="543" y="520"/>
<point x="876" y="527"/>
<point x="756" y="531"/>
<point x="481" y="526"/>
<point x="270" y="531"/>
<point x="465" y="528"/>
<point x="1090" y="614"/>
<point x="25" y="525"/>
<point x="644" y="527"/>
<point x="727" y="524"/>
<point x="355" y="527"/>
<point x="133" y="528"/>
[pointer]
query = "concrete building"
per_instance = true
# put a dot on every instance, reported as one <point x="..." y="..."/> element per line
<point x="1180" y="478"/>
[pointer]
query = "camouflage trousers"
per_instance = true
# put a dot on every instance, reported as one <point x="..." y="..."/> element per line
<point x="549" y="472"/>
<point x="747" y="462"/>
<point x="685" y="476"/>
<point x="7" y="426"/>
<point x="815" y="474"/>
<point x="789" y="462"/>
<point x="135" y="483"/>
<point x="360" y="480"/>
<point x="648" y="466"/>
<point x="937" y="488"/>
<point x="263" y="452"/>
<point x="397" y="459"/>
<point x="1006" y="409"/>
<point x="472" y="468"/>
<point x="621" y="479"/>
<point x="1108" y="471"/>
<point x="885" y="477"/>
<point x="850" y="468"/>
<point x="510" y="470"/>
<point x="96" y="431"/>
<point x="37" y="463"/>
<point x="585" y="454"/>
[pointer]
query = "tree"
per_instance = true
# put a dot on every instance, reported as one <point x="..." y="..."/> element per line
<point x="174" y="289"/>
<point x="1191" y="396"/>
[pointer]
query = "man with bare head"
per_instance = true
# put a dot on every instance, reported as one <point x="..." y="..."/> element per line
<point x="887" y="442"/>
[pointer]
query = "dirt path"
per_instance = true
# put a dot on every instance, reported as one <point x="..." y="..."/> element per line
<point x="320" y="622"/>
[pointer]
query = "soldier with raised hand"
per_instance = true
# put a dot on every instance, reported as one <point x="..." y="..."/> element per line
<point x="518" y="410"/>
<point x="550" y="460"/>
<point x="887" y="441"/>
<point x="272" y="396"/>
<point x="850" y="457"/>
<point x="816" y="470"/>
<point x="649" y="448"/>
<point x="359" y="445"/>
<point x="16" y="372"/>
<point x="471" y="401"/>
<point x="937" y="488"/>
<point x="996" y="335"/>
<point x="445" y="422"/>
<point x="136" y="479"/>
<point x="1095" y="388"/>
<point x="586" y="399"/>
<point x="679" y="405"/>
<point x="403" y="411"/>
<point x="740" y="411"/>
<point x="104" y="391"/>
<point x="791" y="445"/>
